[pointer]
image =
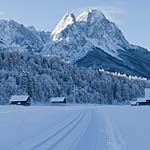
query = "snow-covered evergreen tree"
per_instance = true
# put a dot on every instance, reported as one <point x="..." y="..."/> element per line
<point x="46" y="77"/>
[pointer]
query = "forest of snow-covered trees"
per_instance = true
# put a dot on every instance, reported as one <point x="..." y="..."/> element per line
<point x="46" y="77"/>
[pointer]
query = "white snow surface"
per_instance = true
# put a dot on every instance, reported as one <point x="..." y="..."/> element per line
<point x="85" y="15"/>
<point x="103" y="46"/>
<point x="78" y="127"/>
<point x="16" y="98"/>
<point x="17" y="37"/>
<point x="68" y="19"/>
<point x="57" y="99"/>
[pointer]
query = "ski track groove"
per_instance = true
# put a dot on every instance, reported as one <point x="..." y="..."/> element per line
<point x="94" y="137"/>
<point x="59" y="131"/>
<point x="102" y="141"/>
<point x="67" y="133"/>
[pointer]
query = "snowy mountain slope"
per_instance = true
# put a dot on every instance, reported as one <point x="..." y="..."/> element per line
<point x="68" y="19"/>
<point x="15" y="36"/>
<point x="76" y="38"/>
<point x="89" y="36"/>
<point x="131" y="62"/>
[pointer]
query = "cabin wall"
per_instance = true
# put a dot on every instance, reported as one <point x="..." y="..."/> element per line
<point x="147" y="93"/>
<point x="59" y="102"/>
<point x="148" y="102"/>
<point x="142" y="103"/>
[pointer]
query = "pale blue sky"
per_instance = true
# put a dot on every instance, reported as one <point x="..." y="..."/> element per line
<point x="132" y="16"/>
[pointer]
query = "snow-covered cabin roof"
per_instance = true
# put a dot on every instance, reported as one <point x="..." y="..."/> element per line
<point x="141" y="99"/>
<point x="133" y="102"/>
<point x="19" y="98"/>
<point x="57" y="99"/>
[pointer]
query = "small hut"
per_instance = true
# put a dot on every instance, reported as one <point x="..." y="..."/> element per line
<point x="133" y="103"/>
<point x="144" y="100"/>
<point x="141" y="101"/>
<point x="20" y="100"/>
<point x="58" y="100"/>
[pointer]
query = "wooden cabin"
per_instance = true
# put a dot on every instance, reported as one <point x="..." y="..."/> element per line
<point x="58" y="100"/>
<point x="24" y="100"/>
<point x="133" y="103"/>
<point x="142" y="101"/>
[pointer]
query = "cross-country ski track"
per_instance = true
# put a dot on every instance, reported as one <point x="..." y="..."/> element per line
<point x="79" y="127"/>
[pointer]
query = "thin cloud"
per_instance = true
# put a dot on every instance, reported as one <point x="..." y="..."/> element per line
<point x="112" y="13"/>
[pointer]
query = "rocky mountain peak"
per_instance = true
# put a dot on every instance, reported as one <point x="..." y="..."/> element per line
<point x="90" y="16"/>
<point x="68" y="19"/>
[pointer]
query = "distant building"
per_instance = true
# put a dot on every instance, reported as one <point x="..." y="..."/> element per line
<point x="142" y="101"/>
<point x="133" y="103"/>
<point x="58" y="100"/>
<point x="20" y="100"/>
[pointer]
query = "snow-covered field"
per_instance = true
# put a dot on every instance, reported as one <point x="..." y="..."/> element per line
<point x="80" y="127"/>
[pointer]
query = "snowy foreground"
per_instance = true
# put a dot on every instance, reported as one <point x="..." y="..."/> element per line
<point x="84" y="127"/>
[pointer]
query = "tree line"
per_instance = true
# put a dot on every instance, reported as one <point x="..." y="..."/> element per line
<point x="43" y="77"/>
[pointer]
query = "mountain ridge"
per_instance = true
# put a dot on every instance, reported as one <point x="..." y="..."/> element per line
<point x="76" y="39"/>
<point x="17" y="37"/>
<point x="92" y="30"/>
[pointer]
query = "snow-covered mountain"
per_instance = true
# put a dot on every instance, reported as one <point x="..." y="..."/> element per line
<point x="91" y="40"/>
<point x="17" y="37"/>
<point x="74" y="36"/>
